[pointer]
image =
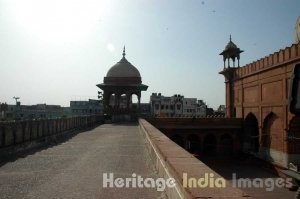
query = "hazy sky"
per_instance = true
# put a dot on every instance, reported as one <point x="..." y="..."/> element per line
<point x="58" y="50"/>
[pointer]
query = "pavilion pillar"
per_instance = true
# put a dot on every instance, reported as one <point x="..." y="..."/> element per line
<point x="127" y="100"/>
<point x="139" y="100"/>
<point x="118" y="96"/>
<point x="115" y="100"/>
<point x="106" y="99"/>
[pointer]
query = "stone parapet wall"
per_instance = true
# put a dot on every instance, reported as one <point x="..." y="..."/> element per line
<point x="18" y="132"/>
<point x="284" y="56"/>
<point x="172" y="161"/>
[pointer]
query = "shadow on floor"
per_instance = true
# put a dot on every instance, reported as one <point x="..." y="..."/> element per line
<point x="252" y="168"/>
<point x="244" y="167"/>
<point x="125" y="124"/>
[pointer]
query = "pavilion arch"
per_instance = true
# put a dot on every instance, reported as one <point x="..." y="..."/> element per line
<point x="178" y="140"/>
<point x="112" y="99"/>
<point x="193" y="144"/>
<point x="268" y="127"/>
<point x="226" y="145"/>
<point x="210" y="145"/>
<point x="134" y="100"/>
<point x="294" y="132"/>
<point x="123" y="100"/>
<point x="251" y="134"/>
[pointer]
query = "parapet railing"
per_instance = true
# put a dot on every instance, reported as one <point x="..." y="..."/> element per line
<point x="172" y="161"/>
<point x="290" y="54"/>
<point x="18" y="132"/>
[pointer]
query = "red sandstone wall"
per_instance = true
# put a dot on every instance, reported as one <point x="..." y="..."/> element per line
<point x="262" y="87"/>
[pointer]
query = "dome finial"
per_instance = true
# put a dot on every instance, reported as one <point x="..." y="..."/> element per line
<point x="230" y="37"/>
<point x="124" y="51"/>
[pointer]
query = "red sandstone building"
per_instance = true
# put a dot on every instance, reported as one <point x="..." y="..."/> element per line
<point x="258" y="92"/>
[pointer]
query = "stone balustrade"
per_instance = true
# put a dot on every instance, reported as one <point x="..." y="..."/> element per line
<point x="172" y="161"/>
<point x="288" y="55"/>
<point x="18" y="132"/>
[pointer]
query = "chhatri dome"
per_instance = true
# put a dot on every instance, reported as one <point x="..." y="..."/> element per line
<point x="230" y="45"/>
<point x="231" y="52"/>
<point x="123" y="69"/>
<point x="121" y="82"/>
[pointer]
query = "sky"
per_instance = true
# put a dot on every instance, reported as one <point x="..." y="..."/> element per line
<point x="54" y="51"/>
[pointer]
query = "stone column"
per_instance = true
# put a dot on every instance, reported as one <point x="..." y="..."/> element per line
<point x="139" y="100"/>
<point x="118" y="96"/>
<point x="128" y="100"/>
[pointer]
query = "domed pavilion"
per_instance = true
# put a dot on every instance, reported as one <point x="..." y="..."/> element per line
<point x="232" y="52"/>
<point x="121" y="82"/>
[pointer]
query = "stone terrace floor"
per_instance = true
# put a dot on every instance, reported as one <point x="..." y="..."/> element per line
<point x="74" y="168"/>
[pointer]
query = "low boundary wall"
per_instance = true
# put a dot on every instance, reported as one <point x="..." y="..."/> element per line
<point x="16" y="134"/>
<point x="172" y="161"/>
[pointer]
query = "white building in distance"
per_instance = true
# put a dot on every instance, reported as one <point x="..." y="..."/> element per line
<point x="176" y="106"/>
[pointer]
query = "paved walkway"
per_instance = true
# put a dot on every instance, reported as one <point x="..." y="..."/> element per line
<point x="74" y="169"/>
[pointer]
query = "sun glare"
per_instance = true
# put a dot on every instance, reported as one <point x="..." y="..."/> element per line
<point x="110" y="47"/>
<point x="59" y="21"/>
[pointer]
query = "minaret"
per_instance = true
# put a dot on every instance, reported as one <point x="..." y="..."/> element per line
<point x="231" y="52"/>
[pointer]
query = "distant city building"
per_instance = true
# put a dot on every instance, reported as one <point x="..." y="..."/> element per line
<point x="176" y="106"/>
<point x="44" y="111"/>
<point x="210" y="112"/>
<point x="221" y="110"/>
<point x="3" y="110"/>
<point x="90" y="107"/>
<point x="38" y="111"/>
<point x="145" y="109"/>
